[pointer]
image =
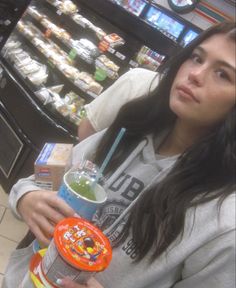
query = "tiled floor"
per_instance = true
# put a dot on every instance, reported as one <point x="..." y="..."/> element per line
<point x="11" y="232"/>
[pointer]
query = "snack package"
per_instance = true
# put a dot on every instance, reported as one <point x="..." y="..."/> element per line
<point x="149" y="58"/>
<point x="68" y="7"/>
<point x="44" y="96"/>
<point x="86" y="82"/>
<point x="34" y="13"/>
<point x="40" y="76"/>
<point x="114" y="40"/>
<point x="52" y="163"/>
<point x="104" y="63"/>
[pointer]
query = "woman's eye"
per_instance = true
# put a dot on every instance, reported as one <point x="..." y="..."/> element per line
<point x="196" y="58"/>
<point x="222" y="74"/>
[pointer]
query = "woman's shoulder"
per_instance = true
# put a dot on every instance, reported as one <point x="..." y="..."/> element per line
<point x="211" y="219"/>
<point x="227" y="211"/>
<point x="141" y="72"/>
<point x="143" y="75"/>
<point x="85" y="149"/>
<point x="140" y="81"/>
<point x="217" y="214"/>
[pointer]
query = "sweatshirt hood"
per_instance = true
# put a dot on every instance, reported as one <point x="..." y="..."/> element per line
<point x="145" y="149"/>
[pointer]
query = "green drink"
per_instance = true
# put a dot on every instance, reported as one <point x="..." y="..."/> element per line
<point x="84" y="188"/>
<point x="80" y="191"/>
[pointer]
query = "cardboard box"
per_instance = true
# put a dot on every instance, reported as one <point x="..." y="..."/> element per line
<point x="52" y="163"/>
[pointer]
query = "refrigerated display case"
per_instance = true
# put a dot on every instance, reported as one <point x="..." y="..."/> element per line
<point x="63" y="54"/>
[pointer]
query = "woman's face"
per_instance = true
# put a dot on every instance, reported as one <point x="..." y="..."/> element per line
<point x="203" y="91"/>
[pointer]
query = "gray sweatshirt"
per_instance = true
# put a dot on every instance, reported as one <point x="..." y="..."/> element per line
<point x="203" y="258"/>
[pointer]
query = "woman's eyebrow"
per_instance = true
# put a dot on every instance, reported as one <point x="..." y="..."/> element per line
<point x="200" y="49"/>
<point x="226" y="64"/>
<point x="220" y="62"/>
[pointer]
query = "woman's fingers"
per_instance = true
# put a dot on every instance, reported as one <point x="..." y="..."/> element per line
<point x="54" y="215"/>
<point x="42" y="210"/>
<point x="59" y="204"/>
<point x="39" y="234"/>
<point x="45" y="225"/>
<point x="67" y="283"/>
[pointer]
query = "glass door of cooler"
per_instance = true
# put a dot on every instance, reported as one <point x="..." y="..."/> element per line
<point x="17" y="153"/>
<point x="10" y="12"/>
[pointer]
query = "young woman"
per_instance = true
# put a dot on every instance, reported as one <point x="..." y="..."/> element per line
<point x="171" y="183"/>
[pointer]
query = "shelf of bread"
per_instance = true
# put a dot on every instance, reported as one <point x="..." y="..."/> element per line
<point x="55" y="39"/>
<point x="59" y="58"/>
<point x="109" y="43"/>
<point x="82" y="48"/>
<point x="35" y="74"/>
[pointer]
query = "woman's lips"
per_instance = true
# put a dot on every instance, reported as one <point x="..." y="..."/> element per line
<point x="187" y="93"/>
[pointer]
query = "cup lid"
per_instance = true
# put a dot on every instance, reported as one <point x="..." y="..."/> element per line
<point x="82" y="245"/>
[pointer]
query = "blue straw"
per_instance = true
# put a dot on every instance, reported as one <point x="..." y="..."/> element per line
<point x="109" y="155"/>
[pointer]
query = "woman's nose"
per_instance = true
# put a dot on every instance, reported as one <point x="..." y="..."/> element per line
<point x="198" y="75"/>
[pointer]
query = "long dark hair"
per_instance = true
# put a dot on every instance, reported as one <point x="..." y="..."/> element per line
<point x="203" y="172"/>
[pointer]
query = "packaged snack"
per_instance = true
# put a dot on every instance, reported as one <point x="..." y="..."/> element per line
<point x="99" y="32"/>
<point x="82" y="21"/>
<point x="149" y="58"/>
<point x="114" y="40"/>
<point x="68" y="7"/>
<point x="86" y="82"/>
<point x="54" y="2"/>
<point x="44" y="96"/>
<point x="12" y="44"/>
<point x="104" y="63"/>
<point x="69" y="71"/>
<point x="34" y="13"/>
<point x="40" y="76"/>
<point x="85" y="49"/>
<point x="30" y="68"/>
<point x="51" y="164"/>
<point x="20" y="26"/>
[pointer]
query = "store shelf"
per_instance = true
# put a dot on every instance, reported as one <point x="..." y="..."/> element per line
<point x="53" y="117"/>
<point x="120" y="55"/>
<point x="60" y="75"/>
<point x="68" y="48"/>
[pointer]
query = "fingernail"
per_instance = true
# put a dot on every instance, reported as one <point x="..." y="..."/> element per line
<point x="76" y="215"/>
<point x="59" y="281"/>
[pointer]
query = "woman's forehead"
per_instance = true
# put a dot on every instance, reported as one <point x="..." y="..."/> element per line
<point x="220" y="46"/>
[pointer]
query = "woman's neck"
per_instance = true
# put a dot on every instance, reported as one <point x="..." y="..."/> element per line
<point x="180" y="138"/>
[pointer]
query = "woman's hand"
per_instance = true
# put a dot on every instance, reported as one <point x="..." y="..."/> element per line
<point x="67" y="283"/>
<point x="42" y="210"/>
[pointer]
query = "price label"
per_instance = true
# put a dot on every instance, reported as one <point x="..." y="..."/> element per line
<point x="120" y="56"/>
<point x="81" y="84"/>
<point x="37" y="42"/>
<point x="92" y="94"/>
<point x="111" y="50"/>
<point x="81" y="23"/>
<point x="48" y="33"/>
<point x="72" y="53"/>
<point x="133" y="63"/>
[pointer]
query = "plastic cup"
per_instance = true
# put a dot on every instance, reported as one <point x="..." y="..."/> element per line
<point x="78" y="191"/>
